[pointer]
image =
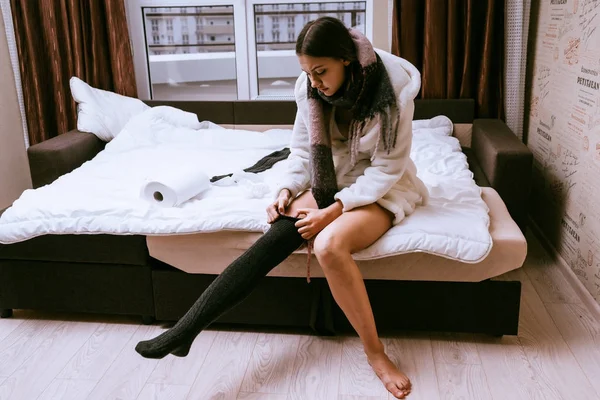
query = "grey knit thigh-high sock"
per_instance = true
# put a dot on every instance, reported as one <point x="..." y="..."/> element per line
<point x="232" y="286"/>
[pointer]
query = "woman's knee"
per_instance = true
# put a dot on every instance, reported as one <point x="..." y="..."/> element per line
<point x="329" y="250"/>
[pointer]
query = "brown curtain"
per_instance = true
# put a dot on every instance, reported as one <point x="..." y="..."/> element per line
<point x="458" y="45"/>
<point x="58" y="39"/>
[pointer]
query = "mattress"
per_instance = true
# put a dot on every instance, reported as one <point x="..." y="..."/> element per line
<point x="210" y="253"/>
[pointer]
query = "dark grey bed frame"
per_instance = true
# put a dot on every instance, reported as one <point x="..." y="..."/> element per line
<point x="115" y="274"/>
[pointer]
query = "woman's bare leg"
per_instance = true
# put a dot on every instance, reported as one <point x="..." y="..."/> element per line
<point x="349" y="233"/>
<point x="305" y="200"/>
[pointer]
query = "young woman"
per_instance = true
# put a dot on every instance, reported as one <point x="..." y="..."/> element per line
<point x="350" y="179"/>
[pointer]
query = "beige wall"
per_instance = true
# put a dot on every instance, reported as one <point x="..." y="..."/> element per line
<point x="14" y="168"/>
<point x="564" y="132"/>
<point x="381" y="28"/>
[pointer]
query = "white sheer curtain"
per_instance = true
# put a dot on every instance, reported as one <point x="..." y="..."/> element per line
<point x="14" y="59"/>
<point x="517" y="27"/>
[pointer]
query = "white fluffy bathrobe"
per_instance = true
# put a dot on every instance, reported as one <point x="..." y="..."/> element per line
<point x="377" y="177"/>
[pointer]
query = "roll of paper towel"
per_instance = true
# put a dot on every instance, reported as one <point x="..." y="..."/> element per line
<point x="175" y="188"/>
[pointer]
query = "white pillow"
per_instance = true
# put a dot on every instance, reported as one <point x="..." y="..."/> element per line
<point x="101" y="112"/>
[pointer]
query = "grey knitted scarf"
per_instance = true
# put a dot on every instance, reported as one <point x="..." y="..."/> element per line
<point x="368" y="94"/>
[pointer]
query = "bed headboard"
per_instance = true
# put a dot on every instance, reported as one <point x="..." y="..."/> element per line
<point x="460" y="111"/>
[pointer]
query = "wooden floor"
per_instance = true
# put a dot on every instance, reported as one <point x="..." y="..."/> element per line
<point x="65" y="356"/>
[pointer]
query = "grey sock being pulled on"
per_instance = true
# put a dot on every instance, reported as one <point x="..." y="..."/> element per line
<point x="232" y="286"/>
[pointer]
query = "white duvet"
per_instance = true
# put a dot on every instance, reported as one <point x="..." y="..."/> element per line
<point x="103" y="195"/>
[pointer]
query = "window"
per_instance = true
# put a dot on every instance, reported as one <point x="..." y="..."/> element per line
<point x="278" y="79"/>
<point x="238" y="50"/>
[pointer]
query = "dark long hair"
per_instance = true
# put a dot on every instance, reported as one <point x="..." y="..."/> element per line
<point x="326" y="37"/>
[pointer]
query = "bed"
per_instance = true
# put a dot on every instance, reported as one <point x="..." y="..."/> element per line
<point x="158" y="277"/>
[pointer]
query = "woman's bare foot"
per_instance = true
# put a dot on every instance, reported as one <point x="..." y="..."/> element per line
<point x="394" y="381"/>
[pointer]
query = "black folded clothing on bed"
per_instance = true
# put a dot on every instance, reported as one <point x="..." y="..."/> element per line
<point x="263" y="164"/>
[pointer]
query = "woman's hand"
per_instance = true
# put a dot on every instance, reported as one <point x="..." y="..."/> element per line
<point x="314" y="220"/>
<point x="278" y="206"/>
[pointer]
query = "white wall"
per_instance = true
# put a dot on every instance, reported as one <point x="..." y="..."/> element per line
<point x="381" y="26"/>
<point x="14" y="168"/>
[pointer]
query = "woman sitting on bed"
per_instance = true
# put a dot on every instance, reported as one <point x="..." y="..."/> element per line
<point x="350" y="179"/>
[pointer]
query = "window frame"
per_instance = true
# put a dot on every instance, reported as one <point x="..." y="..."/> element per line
<point x="247" y="80"/>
